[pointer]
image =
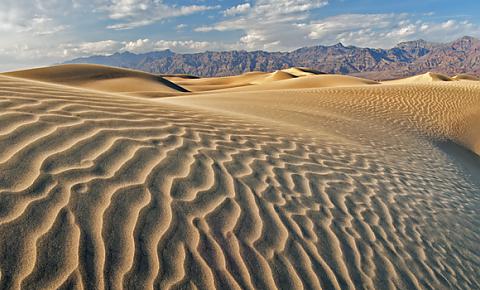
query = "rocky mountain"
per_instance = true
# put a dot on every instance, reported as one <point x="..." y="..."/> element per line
<point x="405" y="59"/>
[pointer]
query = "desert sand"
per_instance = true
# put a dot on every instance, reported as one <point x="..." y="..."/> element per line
<point x="117" y="179"/>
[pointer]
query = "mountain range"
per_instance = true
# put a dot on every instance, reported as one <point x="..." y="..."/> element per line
<point x="405" y="59"/>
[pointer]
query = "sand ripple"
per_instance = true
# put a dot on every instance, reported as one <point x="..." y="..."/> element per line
<point x="102" y="191"/>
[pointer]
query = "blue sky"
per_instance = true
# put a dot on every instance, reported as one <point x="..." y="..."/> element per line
<point x="42" y="32"/>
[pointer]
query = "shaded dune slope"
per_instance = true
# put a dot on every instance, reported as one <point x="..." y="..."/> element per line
<point x="466" y="77"/>
<point x="302" y="71"/>
<point x="105" y="191"/>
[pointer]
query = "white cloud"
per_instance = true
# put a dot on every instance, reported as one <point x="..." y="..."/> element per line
<point x="332" y="26"/>
<point x="449" y="24"/>
<point x="90" y="48"/>
<point x="266" y="13"/>
<point x="146" y="45"/>
<point x="185" y="45"/>
<point x="23" y="16"/>
<point x="49" y="54"/>
<point x="139" y="45"/>
<point x="137" y="13"/>
<point x="235" y="10"/>
<point x="384" y="30"/>
<point x="30" y="31"/>
<point x="44" y="26"/>
<point x="106" y="47"/>
<point x="268" y="24"/>
<point x="286" y="25"/>
<point x="274" y="8"/>
<point x="181" y="26"/>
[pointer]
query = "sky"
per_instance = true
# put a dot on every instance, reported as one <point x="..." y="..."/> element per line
<point x="44" y="32"/>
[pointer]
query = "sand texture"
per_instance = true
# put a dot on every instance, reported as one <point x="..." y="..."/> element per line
<point x="116" y="179"/>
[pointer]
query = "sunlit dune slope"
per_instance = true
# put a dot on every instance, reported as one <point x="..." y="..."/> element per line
<point x="423" y="78"/>
<point x="102" y="78"/>
<point x="440" y="111"/>
<point x="275" y="76"/>
<point x="305" y="82"/>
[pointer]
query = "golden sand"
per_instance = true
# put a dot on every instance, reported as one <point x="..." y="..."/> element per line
<point x="289" y="180"/>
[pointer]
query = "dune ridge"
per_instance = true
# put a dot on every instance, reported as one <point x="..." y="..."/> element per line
<point x="423" y="78"/>
<point x="467" y="77"/>
<point x="320" y="187"/>
<point x="102" y="78"/>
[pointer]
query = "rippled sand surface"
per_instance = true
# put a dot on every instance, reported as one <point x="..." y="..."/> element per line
<point x="314" y="188"/>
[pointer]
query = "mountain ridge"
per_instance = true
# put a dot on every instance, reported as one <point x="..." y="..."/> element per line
<point x="404" y="59"/>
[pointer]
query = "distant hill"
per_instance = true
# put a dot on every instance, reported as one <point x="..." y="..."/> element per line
<point x="405" y="59"/>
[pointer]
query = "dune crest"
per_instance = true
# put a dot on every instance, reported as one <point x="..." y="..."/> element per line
<point x="466" y="77"/>
<point x="302" y="71"/>
<point x="276" y="76"/>
<point x="307" y="82"/>
<point x="102" y="78"/>
<point x="424" y="78"/>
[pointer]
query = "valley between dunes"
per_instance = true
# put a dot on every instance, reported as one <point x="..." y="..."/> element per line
<point x="118" y="179"/>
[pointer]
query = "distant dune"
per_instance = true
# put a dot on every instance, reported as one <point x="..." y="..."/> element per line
<point x="466" y="77"/>
<point x="114" y="178"/>
<point x="424" y="78"/>
<point x="302" y="71"/>
<point x="306" y="82"/>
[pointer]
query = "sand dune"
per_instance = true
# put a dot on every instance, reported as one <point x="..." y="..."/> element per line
<point x="322" y="182"/>
<point x="209" y="84"/>
<point x="440" y="111"/>
<point x="466" y="77"/>
<point x="423" y="78"/>
<point x="302" y="71"/>
<point x="305" y="82"/>
<point x="279" y="80"/>
<point x="276" y="76"/>
<point x="102" y="78"/>
<point x="247" y="80"/>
